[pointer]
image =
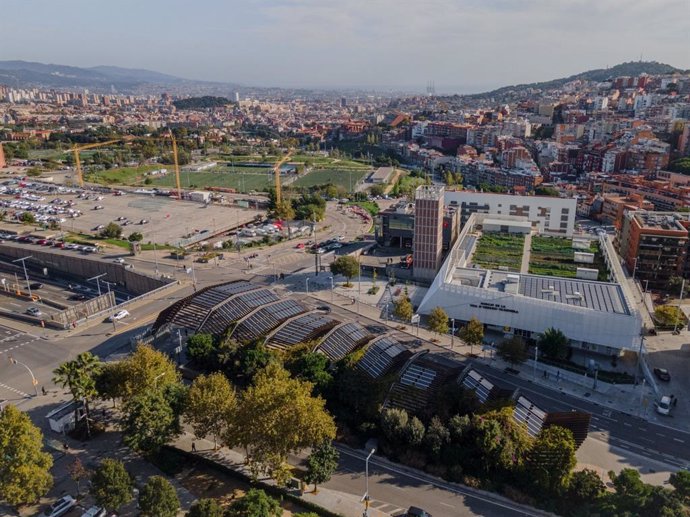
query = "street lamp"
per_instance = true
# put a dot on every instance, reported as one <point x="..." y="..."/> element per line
<point x="332" y="287"/>
<point x="157" y="377"/>
<point x="98" y="282"/>
<point x="366" y="481"/>
<point x="306" y="281"/>
<point x="33" y="379"/>
<point x="26" y="275"/>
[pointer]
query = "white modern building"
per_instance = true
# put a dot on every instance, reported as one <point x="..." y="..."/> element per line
<point x="550" y="215"/>
<point x="600" y="317"/>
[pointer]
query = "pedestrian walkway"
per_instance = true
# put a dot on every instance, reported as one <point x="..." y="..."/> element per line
<point x="526" y="254"/>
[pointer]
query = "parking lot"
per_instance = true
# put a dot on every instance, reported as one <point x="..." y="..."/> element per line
<point x="166" y="219"/>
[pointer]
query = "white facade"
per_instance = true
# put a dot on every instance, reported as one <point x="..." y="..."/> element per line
<point x="551" y="214"/>
<point x="529" y="304"/>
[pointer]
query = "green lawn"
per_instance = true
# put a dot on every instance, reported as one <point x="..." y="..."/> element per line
<point x="341" y="178"/>
<point x="45" y="154"/>
<point x="555" y="256"/>
<point x="499" y="250"/>
<point x="242" y="182"/>
<point x="124" y="175"/>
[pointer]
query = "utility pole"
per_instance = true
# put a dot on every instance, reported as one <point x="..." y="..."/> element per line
<point x="452" y="333"/>
<point x="26" y="275"/>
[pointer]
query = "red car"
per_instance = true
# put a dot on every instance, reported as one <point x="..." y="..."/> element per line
<point x="300" y="246"/>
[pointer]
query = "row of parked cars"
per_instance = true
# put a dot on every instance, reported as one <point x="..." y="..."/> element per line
<point x="55" y="243"/>
<point x="67" y="503"/>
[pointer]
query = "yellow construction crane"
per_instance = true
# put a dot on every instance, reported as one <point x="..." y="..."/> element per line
<point x="276" y="173"/>
<point x="77" y="162"/>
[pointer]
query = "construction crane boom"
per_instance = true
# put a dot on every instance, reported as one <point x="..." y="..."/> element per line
<point x="77" y="161"/>
<point x="276" y="172"/>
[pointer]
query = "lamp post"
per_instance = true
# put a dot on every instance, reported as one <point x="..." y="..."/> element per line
<point x="306" y="281"/>
<point x="366" y="481"/>
<point x="332" y="287"/>
<point x="98" y="282"/>
<point x="155" y="379"/>
<point x="33" y="379"/>
<point x="452" y="333"/>
<point x="26" y="275"/>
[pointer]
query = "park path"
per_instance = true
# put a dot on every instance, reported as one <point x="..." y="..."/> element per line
<point x="526" y="250"/>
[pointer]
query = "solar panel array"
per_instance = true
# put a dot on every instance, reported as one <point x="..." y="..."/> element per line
<point x="343" y="340"/>
<point x="525" y="412"/>
<point x="193" y="309"/>
<point x="476" y="382"/>
<point x="380" y="356"/>
<point x="262" y="321"/>
<point x="598" y="296"/>
<point x="235" y="308"/>
<point x="418" y="376"/>
<point x="302" y="330"/>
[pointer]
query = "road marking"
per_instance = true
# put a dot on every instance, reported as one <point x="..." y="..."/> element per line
<point x="679" y="440"/>
<point x="18" y="392"/>
<point x="446" y="504"/>
<point x="626" y="424"/>
<point x="662" y="435"/>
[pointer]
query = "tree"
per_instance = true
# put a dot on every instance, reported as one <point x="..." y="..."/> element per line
<point x="278" y="415"/>
<point x="145" y="370"/>
<point x="205" y="508"/>
<point x="394" y="424"/>
<point x="309" y="366"/>
<point x="402" y="308"/>
<point x="473" y="333"/>
<point x="551" y="460"/>
<point x="284" y="211"/>
<point x="27" y="218"/>
<point x="437" y="436"/>
<point x="24" y="467"/>
<point x="585" y="487"/>
<point x="553" y="343"/>
<point x="321" y="464"/>
<point x="512" y="350"/>
<point x="681" y="482"/>
<point x="149" y="422"/>
<point x="414" y="432"/>
<point x="500" y="444"/>
<point x="158" y="498"/>
<point x="438" y="320"/>
<point x="631" y="492"/>
<point x="112" y="231"/>
<point x="135" y="237"/>
<point x="109" y="383"/>
<point x="79" y="376"/>
<point x="77" y="471"/>
<point x="377" y="190"/>
<point x="111" y="484"/>
<point x="255" y="503"/>
<point x="210" y="405"/>
<point x="201" y="349"/>
<point x="347" y="266"/>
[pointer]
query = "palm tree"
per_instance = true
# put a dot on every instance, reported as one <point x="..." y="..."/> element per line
<point x="79" y="376"/>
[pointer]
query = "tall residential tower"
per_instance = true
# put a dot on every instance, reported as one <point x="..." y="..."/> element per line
<point x="428" y="231"/>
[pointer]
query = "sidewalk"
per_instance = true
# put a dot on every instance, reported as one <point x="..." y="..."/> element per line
<point x="348" y="505"/>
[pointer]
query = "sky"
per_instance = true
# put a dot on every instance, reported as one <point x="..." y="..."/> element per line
<point x="462" y="46"/>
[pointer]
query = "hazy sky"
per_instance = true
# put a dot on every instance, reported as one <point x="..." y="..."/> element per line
<point x="462" y="45"/>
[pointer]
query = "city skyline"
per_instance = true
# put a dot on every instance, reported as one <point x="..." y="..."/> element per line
<point x="463" y="47"/>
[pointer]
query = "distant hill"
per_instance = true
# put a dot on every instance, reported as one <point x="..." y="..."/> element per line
<point x="632" y="68"/>
<point x="29" y="74"/>
<point x="195" y="103"/>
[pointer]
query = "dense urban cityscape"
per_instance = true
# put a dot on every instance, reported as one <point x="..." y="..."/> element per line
<point x="224" y="300"/>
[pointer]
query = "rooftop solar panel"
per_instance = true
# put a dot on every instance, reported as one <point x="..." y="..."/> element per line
<point x="525" y="412"/>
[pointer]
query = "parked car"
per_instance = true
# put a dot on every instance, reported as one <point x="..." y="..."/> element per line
<point x="98" y="207"/>
<point x="60" y="507"/>
<point x="94" y="511"/>
<point x="662" y="374"/>
<point x="36" y="285"/>
<point x="33" y="311"/>
<point x="144" y="221"/>
<point x="324" y="308"/>
<point x="78" y="297"/>
<point x="119" y="315"/>
<point x="413" y="511"/>
<point x="119" y="260"/>
<point x="663" y="407"/>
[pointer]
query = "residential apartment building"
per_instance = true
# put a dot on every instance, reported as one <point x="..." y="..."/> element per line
<point x="653" y="246"/>
<point x="549" y="214"/>
<point x="428" y="231"/>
